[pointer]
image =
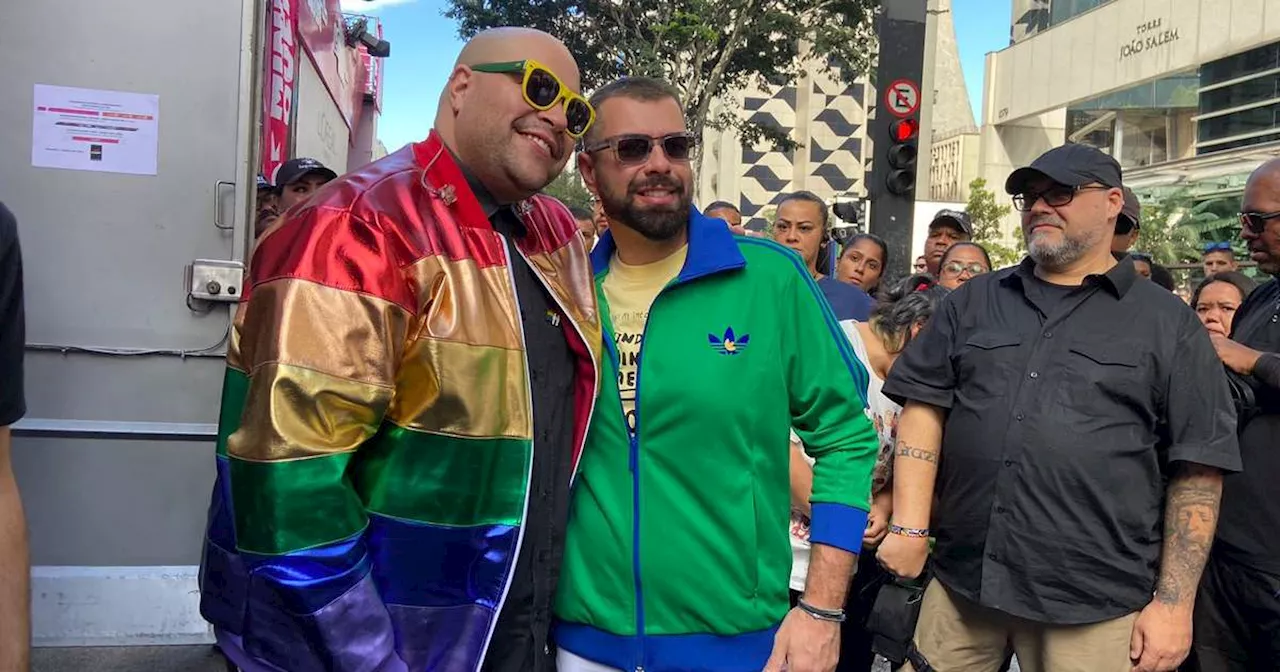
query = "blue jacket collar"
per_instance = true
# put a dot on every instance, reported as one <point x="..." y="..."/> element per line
<point x="713" y="248"/>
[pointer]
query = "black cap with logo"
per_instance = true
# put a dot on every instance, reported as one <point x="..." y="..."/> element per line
<point x="1072" y="165"/>
<point x="295" y="169"/>
<point x="264" y="183"/>
<point x="957" y="218"/>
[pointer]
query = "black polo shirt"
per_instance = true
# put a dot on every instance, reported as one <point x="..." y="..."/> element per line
<point x="522" y="638"/>
<point x="1065" y="408"/>
<point x="12" y="327"/>
<point x="1249" y="526"/>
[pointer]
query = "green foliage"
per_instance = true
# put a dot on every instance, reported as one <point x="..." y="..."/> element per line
<point x="1176" y="227"/>
<point x="986" y="216"/>
<point x="703" y="47"/>
<point x="569" y="189"/>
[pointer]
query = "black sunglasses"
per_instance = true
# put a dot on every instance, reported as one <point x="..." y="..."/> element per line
<point x="1255" y="222"/>
<point x="636" y="148"/>
<point x="1055" y="197"/>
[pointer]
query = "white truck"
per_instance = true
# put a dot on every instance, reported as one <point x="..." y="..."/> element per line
<point x="115" y="457"/>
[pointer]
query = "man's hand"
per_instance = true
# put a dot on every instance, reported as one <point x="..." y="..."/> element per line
<point x="805" y="644"/>
<point x="903" y="557"/>
<point x="1161" y="637"/>
<point x="1237" y="357"/>
<point x="878" y="519"/>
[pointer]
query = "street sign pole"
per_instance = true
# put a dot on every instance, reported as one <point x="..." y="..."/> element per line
<point x="899" y="97"/>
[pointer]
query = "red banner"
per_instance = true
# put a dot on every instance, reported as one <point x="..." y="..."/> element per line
<point x="277" y="95"/>
<point x="322" y="31"/>
<point x="373" y="67"/>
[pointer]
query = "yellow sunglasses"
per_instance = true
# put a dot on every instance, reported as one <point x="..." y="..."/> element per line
<point x="543" y="90"/>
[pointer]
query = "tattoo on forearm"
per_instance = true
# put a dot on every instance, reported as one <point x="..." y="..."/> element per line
<point x="1191" y="516"/>
<point x="904" y="450"/>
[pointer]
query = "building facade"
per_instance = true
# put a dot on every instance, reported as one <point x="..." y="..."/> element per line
<point x="827" y="116"/>
<point x="1184" y="93"/>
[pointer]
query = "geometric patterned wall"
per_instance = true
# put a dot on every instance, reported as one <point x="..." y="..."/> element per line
<point x="827" y="117"/>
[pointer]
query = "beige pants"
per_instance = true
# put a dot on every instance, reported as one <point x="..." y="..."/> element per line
<point x="956" y="635"/>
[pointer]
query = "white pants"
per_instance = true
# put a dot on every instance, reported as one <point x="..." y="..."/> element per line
<point x="567" y="662"/>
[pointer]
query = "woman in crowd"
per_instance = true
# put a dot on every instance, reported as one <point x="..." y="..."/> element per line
<point x="962" y="261"/>
<point x="1217" y="298"/>
<point x="862" y="262"/>
<point x="897" y="318"/>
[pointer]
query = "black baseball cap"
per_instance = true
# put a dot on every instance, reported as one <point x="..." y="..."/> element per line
<point x="295" y="169"/>
<point x="264" y="183"/>
<point x="1130" y="215"/>
<point x="958" y="218"/>
<point x="1073" y="165"/>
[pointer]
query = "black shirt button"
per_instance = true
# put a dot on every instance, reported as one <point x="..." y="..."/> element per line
<point x="1000" y="509"/>
<point x="1035" y="374"/>
<point x="1048" y="334"/>
<point x="1008" y="463"/>
<point x="1019" y="417"/>
<point x="991" y="556"/>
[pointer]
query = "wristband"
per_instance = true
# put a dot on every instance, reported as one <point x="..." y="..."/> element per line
<point x="829" y="615"/>
<point x="909" y="531"/>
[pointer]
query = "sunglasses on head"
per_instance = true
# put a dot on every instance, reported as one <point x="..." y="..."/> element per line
<point x="543" y="90"/>
<point x="1217" y="247"/>
<point x="1255" y="222"/>
<point x="636" y="148"/>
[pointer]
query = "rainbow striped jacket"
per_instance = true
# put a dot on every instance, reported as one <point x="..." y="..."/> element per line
<point x="375" y="439"/>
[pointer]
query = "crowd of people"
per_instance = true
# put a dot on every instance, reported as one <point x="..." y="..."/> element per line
<point x="437" y="453"/>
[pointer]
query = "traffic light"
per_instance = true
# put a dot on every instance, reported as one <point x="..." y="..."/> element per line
<point x="903" y="137"/>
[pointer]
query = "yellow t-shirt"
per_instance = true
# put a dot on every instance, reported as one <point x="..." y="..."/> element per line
<point x="630" y="291"/>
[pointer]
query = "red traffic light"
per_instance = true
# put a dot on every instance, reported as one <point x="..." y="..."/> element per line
<point x="903" y="130"/>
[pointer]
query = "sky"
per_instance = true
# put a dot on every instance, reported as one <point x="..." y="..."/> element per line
<point x="424" y="44"/>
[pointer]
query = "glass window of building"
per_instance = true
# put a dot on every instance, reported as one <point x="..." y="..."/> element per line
<point x="1239" y="100"/>
<point x="1143" y="125"/>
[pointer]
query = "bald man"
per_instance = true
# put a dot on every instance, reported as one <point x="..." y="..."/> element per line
<point x="1237" y="611"/>
<point x="407" y="395"/>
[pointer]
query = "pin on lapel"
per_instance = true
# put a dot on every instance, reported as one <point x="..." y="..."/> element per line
<point x="448" y="194"/>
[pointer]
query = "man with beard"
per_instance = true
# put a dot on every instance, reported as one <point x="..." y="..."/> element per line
<point x="407" y="394"/>
<point x="1065" y="410"/>
<point x="1238" y="613"/>
<point x="677" y="554"/>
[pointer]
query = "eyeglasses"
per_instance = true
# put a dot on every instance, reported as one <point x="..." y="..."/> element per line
<point x="956" y="268"/>
<point x="1055" y="197"/>
<point x="1217" y="247"/>
<point x="1255" y="222"/>
<point x="636" y="148"/>
<point x="543" y="90"/>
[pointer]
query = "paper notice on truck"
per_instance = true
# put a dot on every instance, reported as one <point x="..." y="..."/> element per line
<point x="87" y="129"/>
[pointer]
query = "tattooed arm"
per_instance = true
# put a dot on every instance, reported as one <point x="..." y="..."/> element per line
<point x="1162" y="634"/>
<point x="915" y="468"/>
<point x="1190" y="518"/>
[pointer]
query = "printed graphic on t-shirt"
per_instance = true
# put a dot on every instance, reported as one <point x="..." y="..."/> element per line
<point x="628" y="331"/>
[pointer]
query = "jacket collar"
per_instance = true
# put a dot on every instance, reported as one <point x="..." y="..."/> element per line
<point x="713" y="248"/>
<point x="445" y="179"/>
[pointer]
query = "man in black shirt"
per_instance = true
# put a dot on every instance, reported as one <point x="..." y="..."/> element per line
<point x="15" y="623"/>
<point x="1062" y="393"/>
<point x="1237" y="619"/>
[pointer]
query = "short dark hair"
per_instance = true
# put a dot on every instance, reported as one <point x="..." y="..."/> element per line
<point x="809" y="197"/>
<point x="987" y="257"/>
<point x="1239" y="280"/>
<point x="581" y="213"/>
<point x="721" y="205"/>
<point x="904" y="304"/>
<point x="647" y="89"/>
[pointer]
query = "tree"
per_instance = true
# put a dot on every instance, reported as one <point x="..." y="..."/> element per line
<point x="986" y="215"/>
<point x="569" y="189"/>
<point x="1176" y="227"/>
<point x="702" y="47"/>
